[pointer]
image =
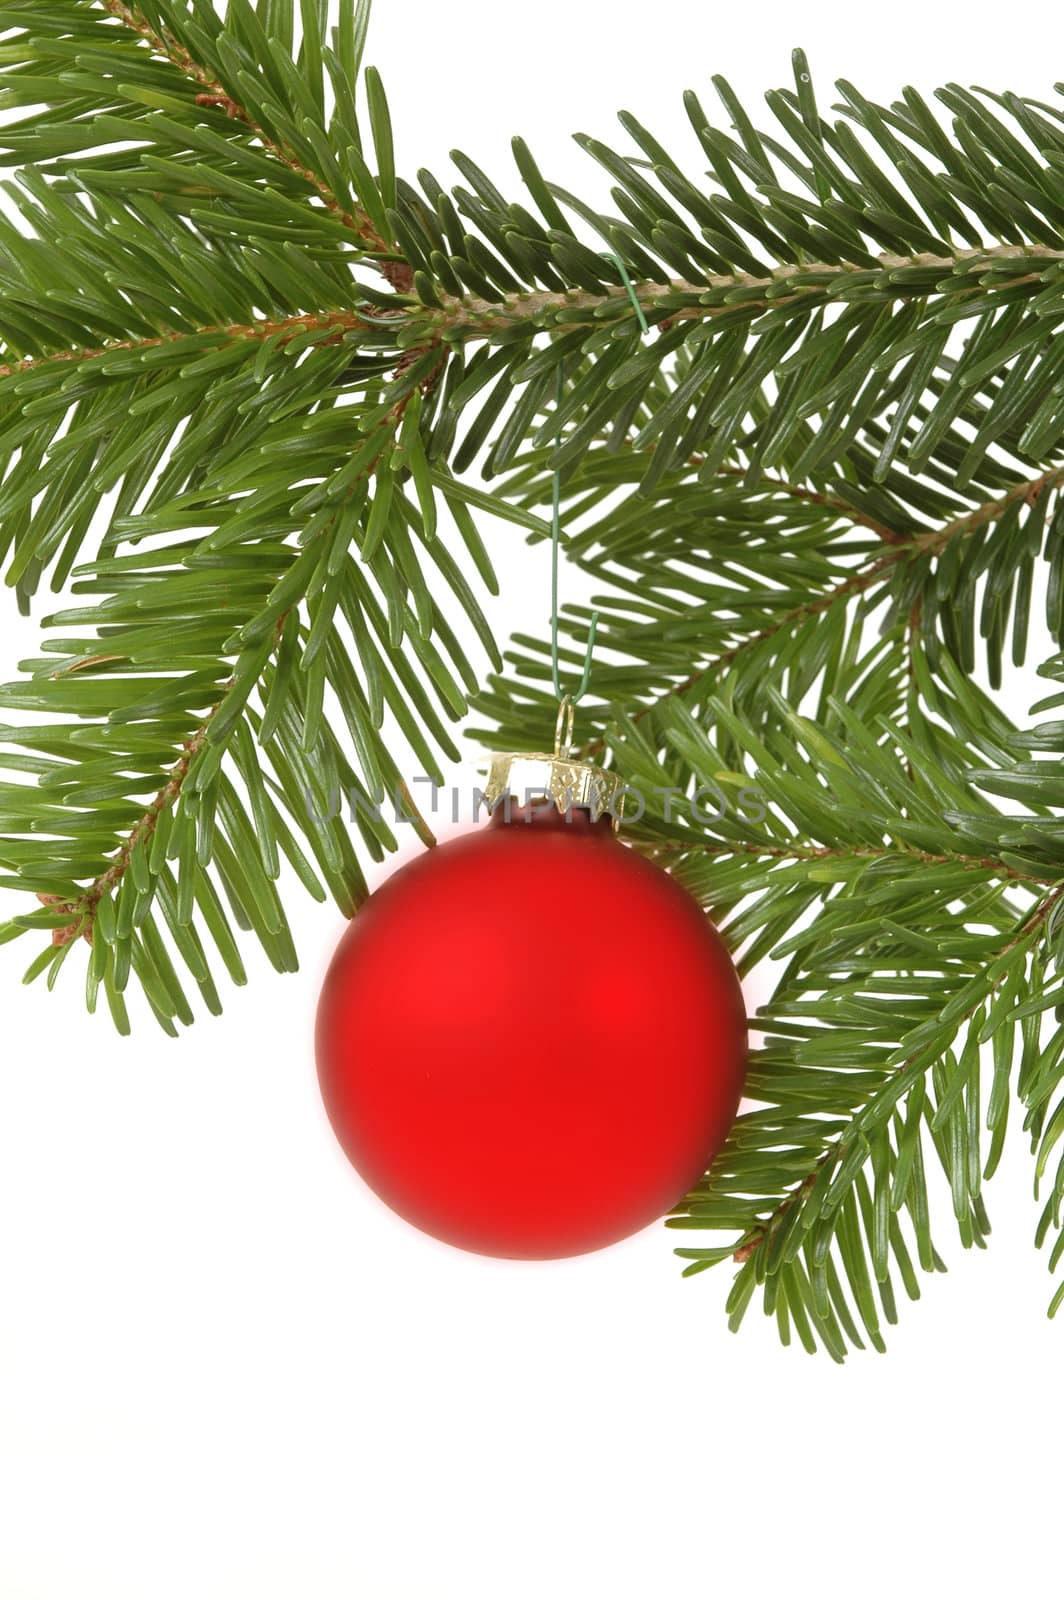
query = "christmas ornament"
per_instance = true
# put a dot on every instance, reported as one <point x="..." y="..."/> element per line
<point x="531" y="1041"/>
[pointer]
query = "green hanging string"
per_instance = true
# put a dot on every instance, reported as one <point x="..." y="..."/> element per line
<point x="556" y="529"/>
<point x="556" y="533"/>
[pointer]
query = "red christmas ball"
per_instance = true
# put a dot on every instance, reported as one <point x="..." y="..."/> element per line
<point x="531" y="1041"/>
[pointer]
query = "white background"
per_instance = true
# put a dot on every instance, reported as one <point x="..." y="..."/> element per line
<point x="226" y="1371"/>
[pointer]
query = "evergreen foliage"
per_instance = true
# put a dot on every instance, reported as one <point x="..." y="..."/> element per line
<point x="244" y="363"/>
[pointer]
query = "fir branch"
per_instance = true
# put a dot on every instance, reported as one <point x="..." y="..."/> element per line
<point x="835" y="1152"/>
<point x="798" y="852"/>
<point x="727" y="294"/>
<point x="82" y="911"/>
<point x="865" y="578"/>
<point x="848" y="413"/>
<point x="1026" y="493"/>
<point x="815" y="497"/>
<point x="857" y="583"/>
<point x="164" y="44"/>
<point x="213" y="93"/>
<point x="332" y="325"/>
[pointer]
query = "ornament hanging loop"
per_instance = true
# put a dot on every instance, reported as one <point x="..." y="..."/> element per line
<point x="555" y="562"/>
<point x="563" y="730"/>
<point x="569" y="701"/>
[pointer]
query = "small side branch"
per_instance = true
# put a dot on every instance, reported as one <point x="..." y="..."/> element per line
<point x="82" y="911"/>
<point x="1030" y="926"/>
<point x="814" y="497"/>
<point x="332" y="325"/>
<point x="797" y="852"/>
<point x="214" y="94"/>
<point x="930" y="543"/>
<point x="722" y="294"/>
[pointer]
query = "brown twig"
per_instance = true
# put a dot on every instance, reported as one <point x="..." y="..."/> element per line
<point x="1029" y="491"/>
<point x="489" y="316"/>
<point x="857" y="583"/>
<point x="332" y="325"/>
<point x="795" y="852"/>
<point x="1032" y="922"/>
<point x="214" y="94"/>
<point x="932" y="542"/>
<point x="82" y="910"/>
<point x="817" y="497"/>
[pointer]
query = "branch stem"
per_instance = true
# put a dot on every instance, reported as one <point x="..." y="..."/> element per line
<point x="83" y="909"/>
<point x="797" y="852"/>
<point x="932" y="542"/>
<point x="214" y="93"/>
<point x="721" y="294"/>
<point x="1034" y="920"/>
<point x="332" y="325"/>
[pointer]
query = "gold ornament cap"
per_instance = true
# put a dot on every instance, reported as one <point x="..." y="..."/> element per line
<point x="524" y="778"/>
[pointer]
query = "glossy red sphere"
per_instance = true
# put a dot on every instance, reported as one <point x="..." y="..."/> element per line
<point x="531" y="1041"/>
